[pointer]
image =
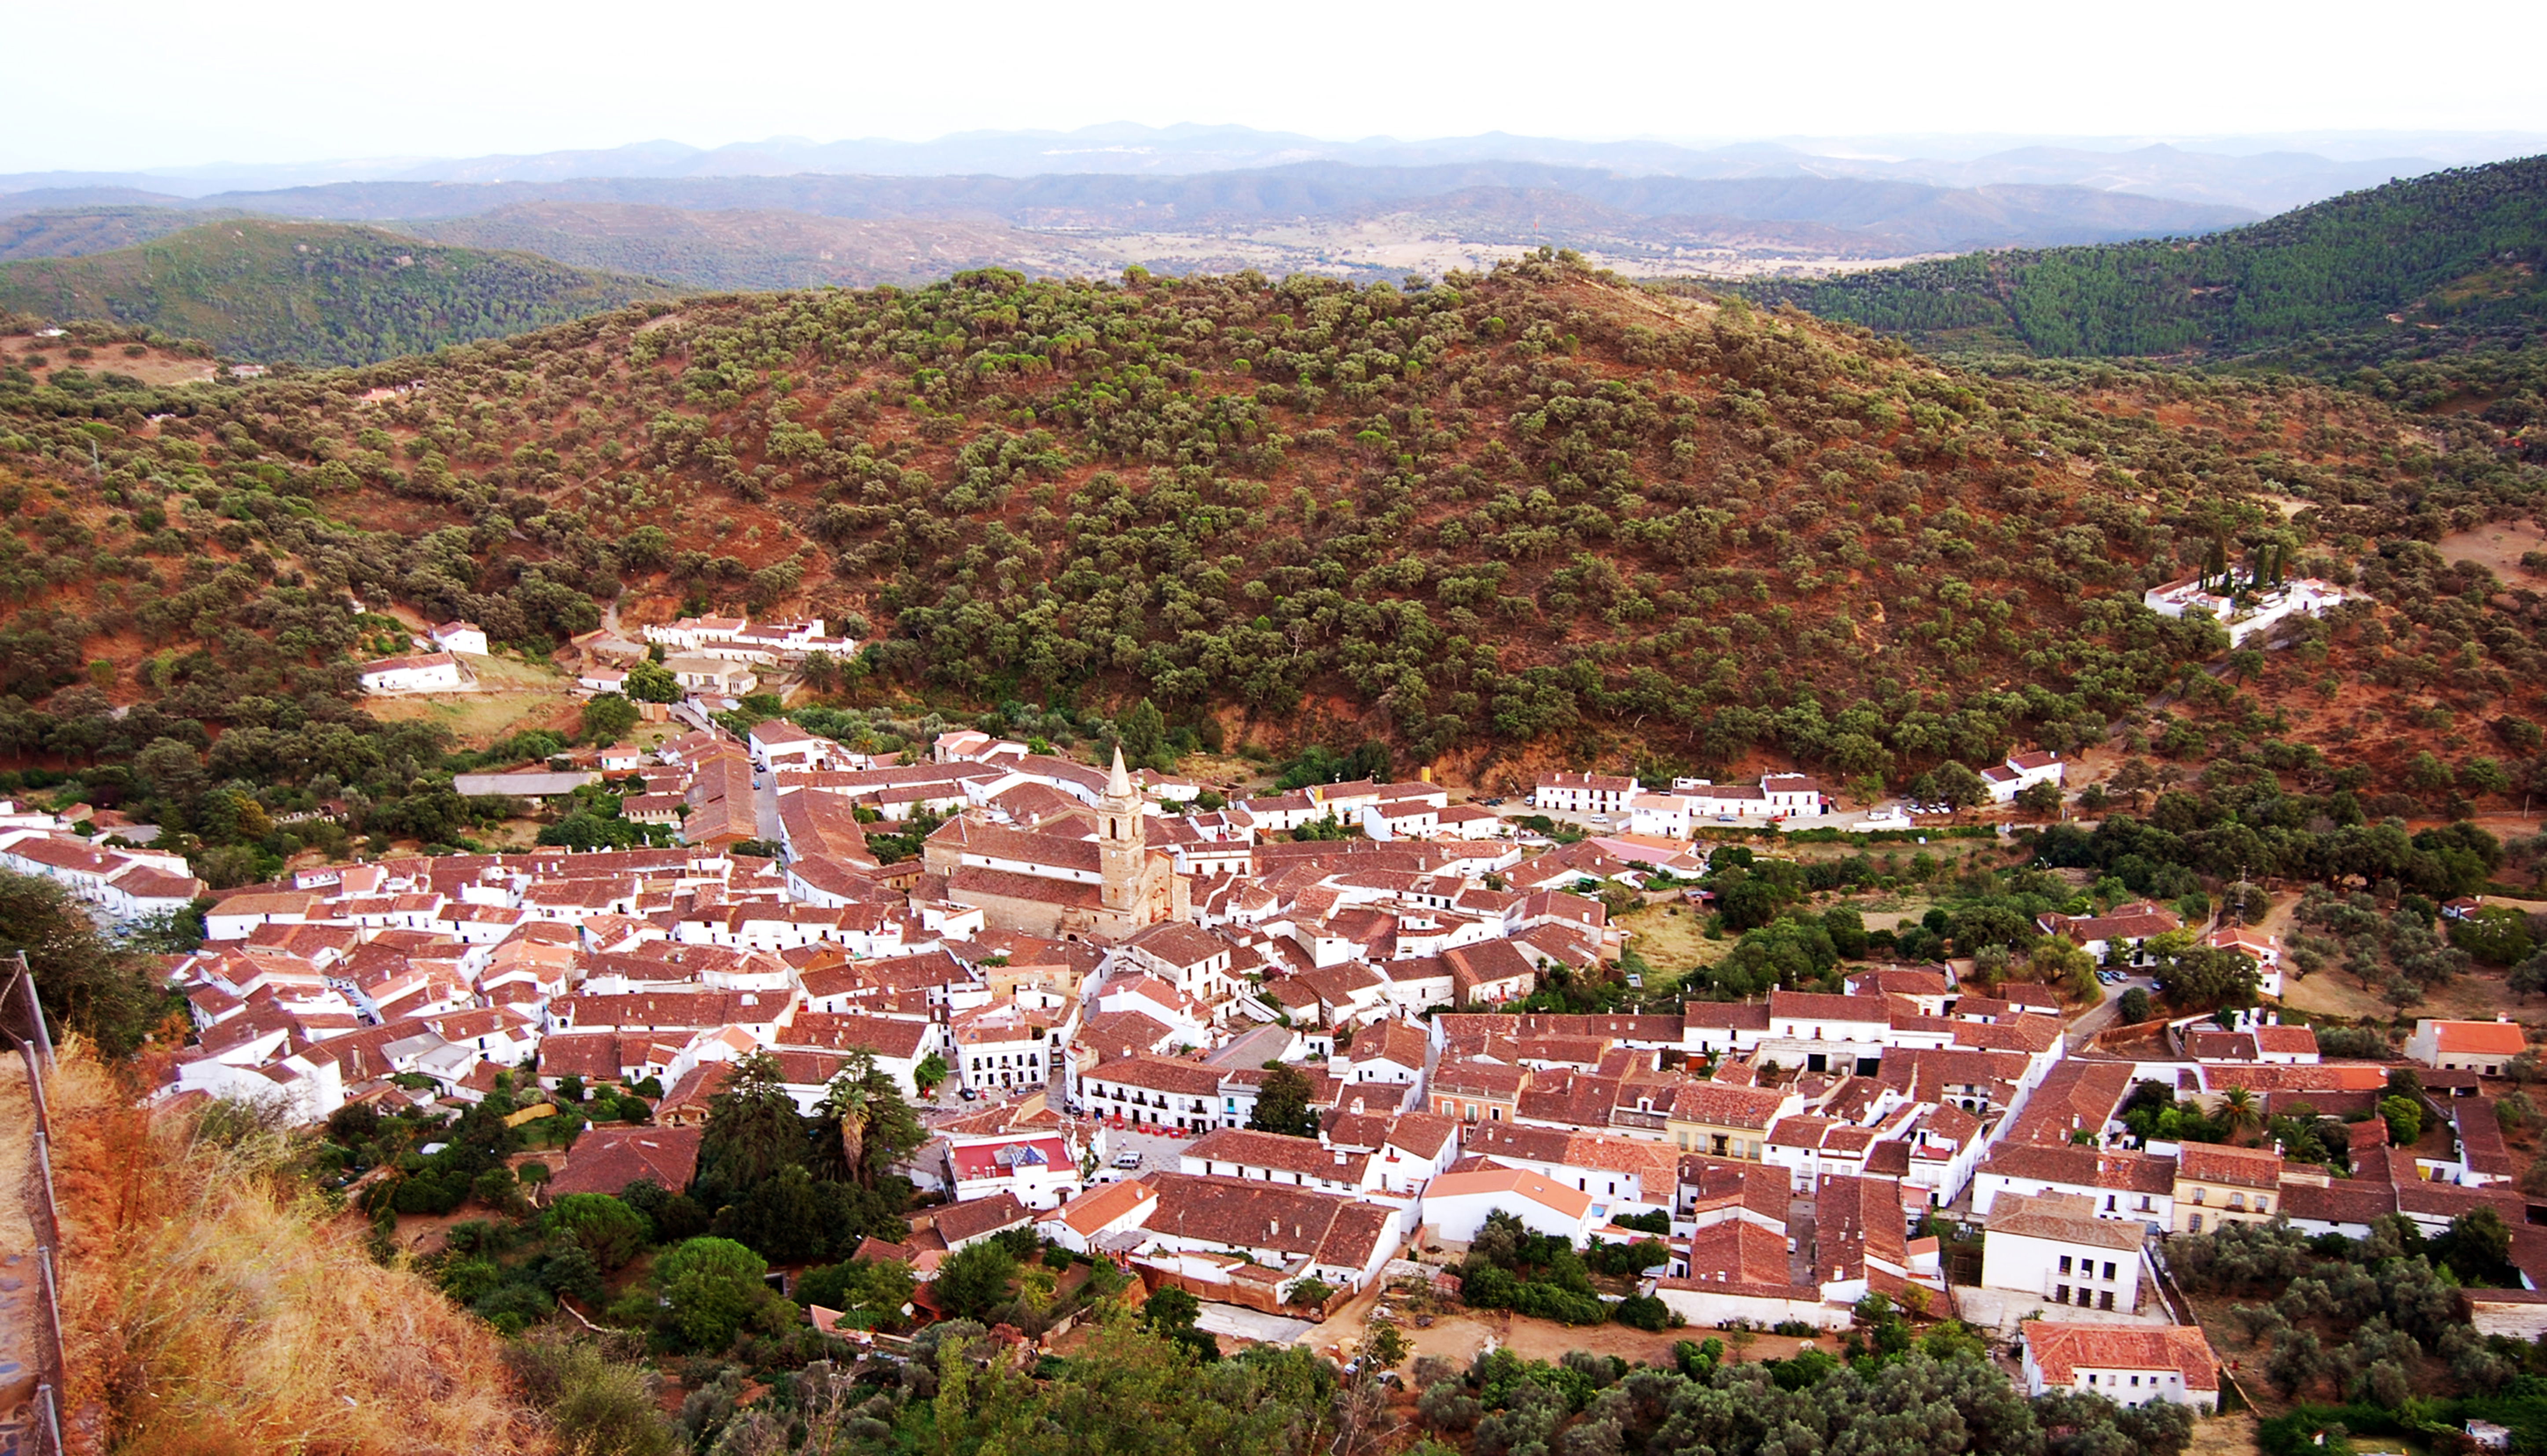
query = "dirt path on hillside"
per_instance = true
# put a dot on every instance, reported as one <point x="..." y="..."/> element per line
<point x="22" y="1281"/>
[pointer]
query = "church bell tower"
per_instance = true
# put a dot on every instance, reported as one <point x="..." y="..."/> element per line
<point x="1121" y="844"/>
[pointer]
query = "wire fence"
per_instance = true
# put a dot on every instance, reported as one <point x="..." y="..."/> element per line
<point x="23" y="1030"/>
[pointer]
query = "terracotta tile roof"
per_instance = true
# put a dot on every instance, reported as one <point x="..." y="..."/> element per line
<point x="2060" y="1352"/>
<point x="2066" y="1218"/>
<point x="2216" y="1162"/>
<point x="1243" y="1213"/>
<point x="1248" y="1148"/>
<point x="2084" y="1168"/>
<point x="1719" y="1104"/>
<point x="1737" y="1256"/>
<point x="607" y="1160"/>
<point x="1100" y="1206"/>
<point x="2340" y="1201"/>
<point x="973" y="1219"/>
<point x="1655" y="1162"/>
<point x="2479" y="1038"/>
<point x="1464" y="1078"/>
<point x="1512" y="1182"/>
<point x="1159" y="1074"/>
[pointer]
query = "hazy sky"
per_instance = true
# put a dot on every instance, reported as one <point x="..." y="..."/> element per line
<point x="158" y="82"/>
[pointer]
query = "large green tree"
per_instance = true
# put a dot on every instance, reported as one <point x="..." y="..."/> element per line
<point x="753" y="1130"/>
<point x="88" y="985"/>
<point x="1283" y="1103"/>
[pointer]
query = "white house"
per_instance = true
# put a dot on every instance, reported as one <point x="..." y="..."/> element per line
<point x="2054" y="1246"/>
<point x="1567" y="793"/>
<point x="2480" y="1047"/>
<point x="461" y="636"/>
<point x="2264" y="950"/>
<point x="1456" y="1205"/>
<point x="2128" y="1364"/>
<point x="2020" y="772"/>
<point x="1777" y="796"/>
<point x="419" y="673"/>
<point x="701" y="673"/>
<point x="1000" y="1047"/>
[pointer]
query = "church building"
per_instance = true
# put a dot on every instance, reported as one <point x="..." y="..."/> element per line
<point x="1091" y="874"/>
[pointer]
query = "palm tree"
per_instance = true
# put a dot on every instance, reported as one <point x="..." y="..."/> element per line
<point x="2239" y="1112"/>
<point x="851" y="1100"/>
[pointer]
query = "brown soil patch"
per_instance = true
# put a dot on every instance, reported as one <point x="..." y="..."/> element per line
<point x="1463" y="1336"/>
<point x="151" y="366"/>
<point x="2498" y="548"/>
<point x="2480" y="997"/>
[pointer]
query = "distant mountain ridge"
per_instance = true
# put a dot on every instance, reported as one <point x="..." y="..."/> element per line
<point x="2261" y="175"/>
<point x="1906" y="216"/>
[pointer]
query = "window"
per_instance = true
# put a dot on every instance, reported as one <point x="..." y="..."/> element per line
<point x="2196" y="1225"/>
<point x="2199" y="1195"/>
<point x="2065" y="1263"/>
<point x="2263" y="1204"/>
<point x="2109" y="1268"/>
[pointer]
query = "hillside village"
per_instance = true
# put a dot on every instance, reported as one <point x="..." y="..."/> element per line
<point x="1086" y="983"/>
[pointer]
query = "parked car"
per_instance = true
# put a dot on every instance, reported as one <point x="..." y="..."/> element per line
<point x="1127" y="1159"/>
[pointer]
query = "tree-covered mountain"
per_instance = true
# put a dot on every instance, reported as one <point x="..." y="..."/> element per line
<point x="72" y="233"/>
<point x="2412" y="267"/>
<point x="1489" y="520"/>
<point x="308" y="293"/>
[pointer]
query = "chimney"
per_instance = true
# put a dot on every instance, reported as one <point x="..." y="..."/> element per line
<point x="1424" y="775"/>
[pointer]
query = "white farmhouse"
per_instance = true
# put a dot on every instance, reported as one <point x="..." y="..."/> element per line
<point x="461" y="636"/>
<point x="2020" y="772"/>
<point x="421" y="673"/>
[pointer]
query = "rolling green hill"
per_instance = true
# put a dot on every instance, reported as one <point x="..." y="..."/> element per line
<point x="1491" y="521"/>
<point x="315" y="293"/>
<point x="2412" y="267"/>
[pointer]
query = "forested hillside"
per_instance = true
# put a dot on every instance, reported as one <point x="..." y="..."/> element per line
<point x="322" y="294"/>
<point x="72" y="233"/>
<point x="2415" y="266"/>
<point x="1495" y="522"/>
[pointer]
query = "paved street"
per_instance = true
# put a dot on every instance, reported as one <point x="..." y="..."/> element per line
<point x="2104" y="1013"/>
<point x="1158" y="1152"/>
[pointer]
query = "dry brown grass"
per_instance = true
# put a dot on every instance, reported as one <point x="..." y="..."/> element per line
<point x="212" y="1306"/>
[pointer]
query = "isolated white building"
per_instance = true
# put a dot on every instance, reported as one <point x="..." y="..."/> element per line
<point x="2264" y="610"/>
<point x="419" y="673"/>
<point x="2020" y="772"/>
